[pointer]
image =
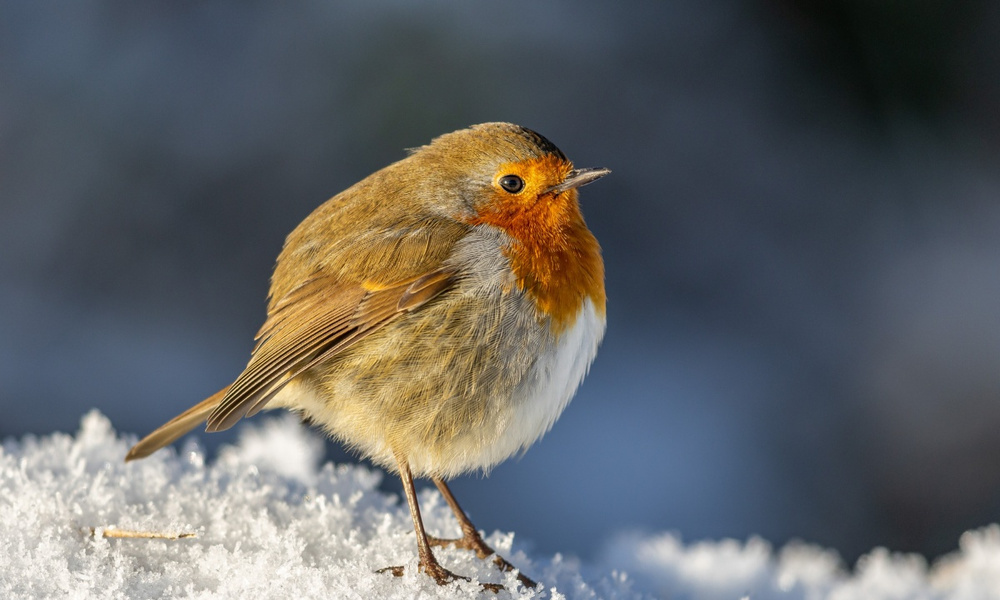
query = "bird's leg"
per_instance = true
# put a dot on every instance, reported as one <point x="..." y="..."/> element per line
<point x="471" y="540"/>
<point x="428" y="564"/>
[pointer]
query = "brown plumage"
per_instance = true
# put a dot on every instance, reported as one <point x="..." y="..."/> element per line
<point x="437" y="316"/>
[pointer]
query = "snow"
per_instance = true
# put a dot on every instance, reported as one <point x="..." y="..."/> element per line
<point x="271" y="521"/>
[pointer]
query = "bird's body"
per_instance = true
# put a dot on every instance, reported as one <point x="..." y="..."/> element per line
<point x="488" y="416"/>
<point x="437" y="316"/>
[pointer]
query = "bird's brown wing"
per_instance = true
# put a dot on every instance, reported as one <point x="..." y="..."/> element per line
<point x="176" y="427"/>
<point x="314" y="321"/>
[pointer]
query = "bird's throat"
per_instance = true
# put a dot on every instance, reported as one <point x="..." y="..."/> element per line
<point x="555" y="259"/>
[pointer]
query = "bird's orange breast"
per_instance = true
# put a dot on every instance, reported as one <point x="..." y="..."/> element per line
<point x="556" y="260"/>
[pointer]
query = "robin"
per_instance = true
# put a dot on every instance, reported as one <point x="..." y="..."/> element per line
<point x="436" y="317"/>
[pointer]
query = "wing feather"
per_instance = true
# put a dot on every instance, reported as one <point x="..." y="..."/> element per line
<point x="314" y="322"/>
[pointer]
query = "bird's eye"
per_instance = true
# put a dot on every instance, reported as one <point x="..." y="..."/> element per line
<point x="512" y="183"/>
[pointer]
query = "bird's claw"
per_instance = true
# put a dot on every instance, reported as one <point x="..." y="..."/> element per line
<point x="483" y="551"/>
<point x="441" y="575"/>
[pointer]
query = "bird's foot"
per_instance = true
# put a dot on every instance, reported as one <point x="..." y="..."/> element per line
<point x="394" y="571"/>
<point x="441" y="575"/>
<point x="473" y="541"/>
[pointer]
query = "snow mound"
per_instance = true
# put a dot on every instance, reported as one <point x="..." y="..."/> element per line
<point x="271" y="522"/>
<point x="729" y="569"/>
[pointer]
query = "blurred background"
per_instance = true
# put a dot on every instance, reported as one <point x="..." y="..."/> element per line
<point x="802" y="236"/>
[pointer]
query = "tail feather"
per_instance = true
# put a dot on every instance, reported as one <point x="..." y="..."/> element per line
<point x="176" y="427"/>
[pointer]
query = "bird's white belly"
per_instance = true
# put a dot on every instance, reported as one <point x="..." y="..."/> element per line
<point x="547" y="388"/>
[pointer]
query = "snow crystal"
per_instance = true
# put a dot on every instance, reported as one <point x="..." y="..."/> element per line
<point x="270" y="522"/>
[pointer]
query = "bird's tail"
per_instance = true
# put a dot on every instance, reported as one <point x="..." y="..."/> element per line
<point x="176" y="427"/>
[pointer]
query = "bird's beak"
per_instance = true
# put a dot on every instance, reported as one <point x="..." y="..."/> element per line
<point x="577" y="178"/>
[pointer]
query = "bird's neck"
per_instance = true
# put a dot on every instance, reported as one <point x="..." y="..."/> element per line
<point x="554" y="257"/>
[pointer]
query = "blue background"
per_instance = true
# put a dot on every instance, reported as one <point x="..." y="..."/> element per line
<point x="802" y="236"/>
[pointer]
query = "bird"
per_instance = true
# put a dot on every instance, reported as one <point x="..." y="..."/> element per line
<point x="436" y="317"/>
